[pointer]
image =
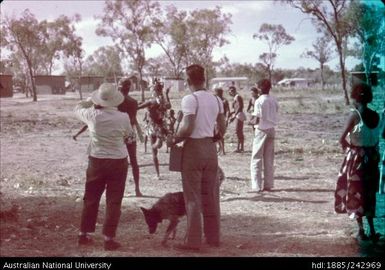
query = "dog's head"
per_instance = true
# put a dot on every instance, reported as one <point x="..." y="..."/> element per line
<point x="152" y="219"/>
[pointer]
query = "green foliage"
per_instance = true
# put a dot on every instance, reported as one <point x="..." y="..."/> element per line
<point x="275" y="37"/>
<point x="330" y="17"/>
<point x="60" y="40"/>
<point x="130" y="24"/>
<point x="367" y="22"/>
<point x="170" y="35"/>
<point x="105" y="61"/>
<point x="35" y="45"/>
<point x="322" y="52"/>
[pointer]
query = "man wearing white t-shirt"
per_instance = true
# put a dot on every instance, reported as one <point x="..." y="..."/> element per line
<point x="266" y="110"/>
<point x="201" y="111"/>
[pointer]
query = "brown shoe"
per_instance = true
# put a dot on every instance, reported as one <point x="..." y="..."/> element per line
<point x="111" y="245"/>
<point x="85" y="240"/>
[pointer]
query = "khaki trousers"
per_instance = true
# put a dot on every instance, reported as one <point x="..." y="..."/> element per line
<point x="262" y="154"/>
<point x="201" y="191"/>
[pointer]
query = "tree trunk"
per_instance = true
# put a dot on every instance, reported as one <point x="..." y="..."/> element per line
<point x="270" y="74"/>
<point x="29" y="64"/>
<point x="343" y="75"/>
<point x="322" y="77"/>
<point x="140" y="84"/>
<point x="80" y="83"/>
<point x="34" y="93"/>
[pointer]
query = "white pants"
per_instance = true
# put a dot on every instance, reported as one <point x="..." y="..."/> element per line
<point x="262" y="153"/>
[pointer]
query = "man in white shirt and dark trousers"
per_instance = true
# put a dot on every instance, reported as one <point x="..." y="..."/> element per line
<point x="201" y="111"/>
<point x="266" y="111"/>
<point x="107" y="163"/>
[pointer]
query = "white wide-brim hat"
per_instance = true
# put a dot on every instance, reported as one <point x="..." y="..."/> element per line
<point x="107" y="96"/>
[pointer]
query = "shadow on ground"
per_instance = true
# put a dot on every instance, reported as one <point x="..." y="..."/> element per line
<point x="41" y="223"/>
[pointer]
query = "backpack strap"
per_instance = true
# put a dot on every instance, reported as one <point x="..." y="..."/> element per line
<point x="196" y="99"/>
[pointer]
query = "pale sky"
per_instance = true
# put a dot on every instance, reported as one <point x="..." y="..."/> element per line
<point x="247" y="17"/>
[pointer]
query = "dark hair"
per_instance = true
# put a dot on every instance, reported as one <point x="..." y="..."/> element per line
<point x="232" y="88"/>
<point x="254" y="89"/>
<point x="195" y="74"/>
<point x="362" y="93"/>
<point x="218" y="89"/>
<point x="124" y="85"/>
<point x="264" y="85"/>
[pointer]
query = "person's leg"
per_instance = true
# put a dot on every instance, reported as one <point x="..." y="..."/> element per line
<point x="241" y="137"/>
<point x="155" y="156"/>
<point x="361" y="232"/>
<point x="382" y="175"/>
<point x="145" y="143"/>
<point x="94" y="188"/>
<point x="191" y="180"/>
<point x="268" y="160"/>
<point x="114" y="195"/>
<point x="131" y="148"/>
<point x="256" y="160"/>
<point x="222" y="141"/>
<point x="371" y="225"/>
<point x="237" y="132"/>
<point x="210" y="201"/>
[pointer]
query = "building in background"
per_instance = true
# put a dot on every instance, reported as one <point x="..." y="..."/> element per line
<point x="295" y="83"/>
<point x="50" y="84"/>
<point x="90" y="83"/>
<point x="225" y="82"/>
<point x="6" y="85"/>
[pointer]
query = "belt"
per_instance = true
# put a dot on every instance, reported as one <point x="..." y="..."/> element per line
<point x="204" y="138"/>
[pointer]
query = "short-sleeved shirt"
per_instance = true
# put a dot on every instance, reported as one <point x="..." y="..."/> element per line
<point x="266" y="109"/>
<point x="209" y="106"/>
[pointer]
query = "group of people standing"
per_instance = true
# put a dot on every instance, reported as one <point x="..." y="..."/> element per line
<point x="110" y="116"/>
<point x="263" y="108"/>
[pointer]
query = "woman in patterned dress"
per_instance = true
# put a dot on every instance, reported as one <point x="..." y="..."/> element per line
<point x="358" y="178"/>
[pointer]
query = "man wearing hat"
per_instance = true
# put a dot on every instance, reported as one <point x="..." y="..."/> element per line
<point x="107" y="163"/>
